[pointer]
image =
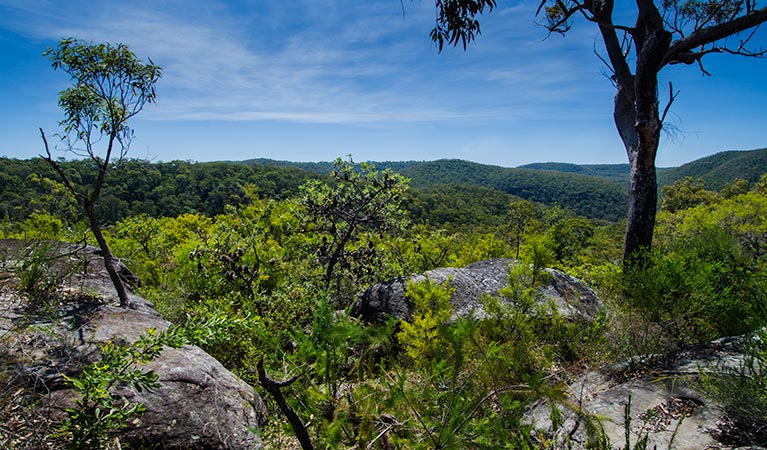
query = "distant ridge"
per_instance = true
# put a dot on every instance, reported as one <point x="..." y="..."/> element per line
<point x="586" y="195"/>
<point x="721" y="168"/>
<point x="716" y="170"/>
<point x="618" y="173"/>
<point x="592" y="190"/>
<point x="443" y="191"/>
<point x="324" y="167"/>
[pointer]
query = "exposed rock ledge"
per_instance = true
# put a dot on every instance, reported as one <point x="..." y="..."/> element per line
<point x="667" y="405"/>
<point x="199" y="404"/>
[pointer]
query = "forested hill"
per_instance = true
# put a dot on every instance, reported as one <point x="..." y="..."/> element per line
<point x="618" y="173"/>
<point x="719" y="169"/>
<point x="324" y="167"/>
<point x="587" y="196"/>
<point x="452" y="191"/>
<point x="716" y="170"/>
<point x="142" y="187"/>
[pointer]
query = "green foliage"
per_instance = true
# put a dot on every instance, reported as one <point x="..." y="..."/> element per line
<point x="706" y="277"/>
<point x="530" y="335"/>
<point x="43" y="226"/>
<point x="480" y="246"/>
<point x="339" y="349"/>
<point x="539" y="253"/>
<point x="457" y="22"/>
<point x="247" y="283"/>
<point x="571" y="236"/>
<point x="98" y="410"/>
<point x="423" y="249"/>
<point x="450" y="409"/>
<point x="334" y="362"/>
<point x="109" y="87"/>
<point x="421" y="338"/>
<point x="521" y="214"/>
<point x="445" y="194"/>
<point x="455" y="206"/>
<point x="35" y="272"/>
<point x="587" y="196"/>
<point x="685" y="194"/>
<point x="699" y="293"/>
<point x="719" y="169"/>
<point x="737" y="187"/>
<point x="359" y="201"/>
<point x="472" y="378"/>
<point x="761" y="186"/>
<point x="157" y="189"/>
<point x="618" y="173"/>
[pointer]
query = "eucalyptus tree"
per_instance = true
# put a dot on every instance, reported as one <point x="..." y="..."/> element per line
<point x="110" y="85"/>
<point x="656" y="34"/>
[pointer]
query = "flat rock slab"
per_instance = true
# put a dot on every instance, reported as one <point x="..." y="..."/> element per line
<point x="666" y="404"/>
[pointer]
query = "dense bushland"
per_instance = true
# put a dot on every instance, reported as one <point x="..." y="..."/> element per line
<point x="264" y="284"/>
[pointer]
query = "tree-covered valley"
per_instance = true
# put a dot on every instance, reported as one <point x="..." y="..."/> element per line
<point x="440" y="191"/>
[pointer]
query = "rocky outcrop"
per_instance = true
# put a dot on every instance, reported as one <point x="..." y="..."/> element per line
<point x="199" y="404"/>
<point x="571" y="298"/>
<point x="666" y="402"/>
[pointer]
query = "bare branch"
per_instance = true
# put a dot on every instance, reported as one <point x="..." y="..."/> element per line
<point x="57" y="167"/>
<point x="671" y="98"/>
<point x="273" y="387"/>
<point x="562" y="24"/>
<point x="611" y="76"/>
<point x="742" y="52"/>
<point x="682" y="50"/>
<point x="603" y="11"/>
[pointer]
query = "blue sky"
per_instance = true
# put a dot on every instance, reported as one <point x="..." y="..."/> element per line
<point x="311" y="80"/>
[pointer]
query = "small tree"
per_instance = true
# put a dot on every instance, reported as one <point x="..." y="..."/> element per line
<point x="364" y="200"/>
<point x="109" y="86"/>
<point x="522" y="213"/>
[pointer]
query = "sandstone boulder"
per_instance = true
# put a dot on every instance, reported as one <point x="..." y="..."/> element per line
<point x="199" y="404"/>
<point x="572" y="298"/>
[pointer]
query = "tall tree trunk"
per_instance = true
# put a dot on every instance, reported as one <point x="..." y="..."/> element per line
<point x="643" y="197"/>
<point x="643" y="202"/>
<point x="109" y="260"/>
<point x="643" y="136"/>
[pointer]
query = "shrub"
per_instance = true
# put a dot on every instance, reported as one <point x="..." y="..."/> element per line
<point x="98" y="411"/>
<point x="422" y="338"/>
<point x="699" y="288"/>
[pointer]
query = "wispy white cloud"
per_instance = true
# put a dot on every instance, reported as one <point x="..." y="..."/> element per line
<point x="321" y="62"/>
